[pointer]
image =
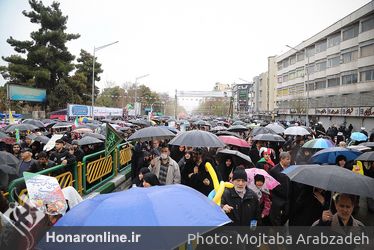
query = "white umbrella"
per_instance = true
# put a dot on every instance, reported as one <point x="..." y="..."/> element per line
<point x="296" y="130"/>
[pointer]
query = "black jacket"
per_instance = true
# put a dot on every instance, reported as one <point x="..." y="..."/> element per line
<point x="245" y="209"/>
<point x="58" y="157"/>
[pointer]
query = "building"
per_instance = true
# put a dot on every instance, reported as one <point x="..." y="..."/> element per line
<point x="335" y="68"/>
<point x="243" y="102"/>
<point x="265" y="90"/>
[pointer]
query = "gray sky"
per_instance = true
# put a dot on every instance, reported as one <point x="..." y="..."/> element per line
<point x="184" y="45"/>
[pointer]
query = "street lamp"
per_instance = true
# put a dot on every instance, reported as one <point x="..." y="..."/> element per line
<point x="306" y="82"/>
<point x="136" y="88"/>
<point x="93" y="74"/>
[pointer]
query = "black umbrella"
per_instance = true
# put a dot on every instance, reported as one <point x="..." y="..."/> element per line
<point x="235" y="153"/>
<point x="42" y="138"/>
<point x="197" y="138"/>
<point x="332" y="178"/>
<point x="140" y="122"/>
<point x="88" y="140"/>
<point x="8" y="162"/>
<point x="3" y="135"/>
<point x="95" y="135"/>
<point x="218" y="128"/>
<point x="20" y="127"/>
<point x="36" y="123"/>
<point x="368" y="156"/>
<point x="237" y="128"/>
<point x="151" y="133"/>
<point x="222" y="132"/>
<point x="261" y="130"/>
<point x="62" y="125"/>
<point x="276" y="127"/>
<point x="268" y="137"/>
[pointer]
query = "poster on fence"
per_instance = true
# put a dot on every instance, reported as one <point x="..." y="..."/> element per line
<point x="45" y="193"/>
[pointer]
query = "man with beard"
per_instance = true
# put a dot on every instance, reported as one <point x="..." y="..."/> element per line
<point x="240" y="203"/>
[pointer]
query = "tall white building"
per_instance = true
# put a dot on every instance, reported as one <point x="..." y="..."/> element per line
<point x="337" y="67"/>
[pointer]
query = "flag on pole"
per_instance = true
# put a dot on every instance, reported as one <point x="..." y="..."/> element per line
<point x="17" y="135"/>
<point x="112" y="139"/>
<point x="11" y="119"/>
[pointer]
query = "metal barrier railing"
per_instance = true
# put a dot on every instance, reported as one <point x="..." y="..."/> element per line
<point x="85" y="176"/>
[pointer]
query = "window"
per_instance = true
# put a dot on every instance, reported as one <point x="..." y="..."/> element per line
<point x="285" y="77"/>
<point x="350" y="56"/>
<point x="333" y="40"/>
<point x="320" y="66"/>
<point x="321" y="46"/>
<point x="333" y="61"/>
<point x="320" y="84"/>
<point x="311" y="86"/>
<point x="367" y="75"/>
<point x="310" y="69"/>
<point x="367" y="24"/>
<point x="292" y="60"/>
<point x="285" y="63"/>
<point x="299" y="72"/>
<point x="291" y="75"/>
<point x="349" y="77"/>
<point x="367" y="50"/>
<point x="300" y="56"/>
<point x="310" y="51"/>
<point x="280" y="66"/>
<point x="280" y="79"/>
<point x="333" y="82"/>
<point x="350" y="32"/>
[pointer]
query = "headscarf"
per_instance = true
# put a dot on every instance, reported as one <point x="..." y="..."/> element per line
<point x="269" y="151"/>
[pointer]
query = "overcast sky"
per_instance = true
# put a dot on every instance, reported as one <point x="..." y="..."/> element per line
<point x="184" y="45"/>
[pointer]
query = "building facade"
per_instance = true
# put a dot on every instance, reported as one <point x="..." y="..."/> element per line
<point x="330" y="76"/>
<point x="242" y="95"/>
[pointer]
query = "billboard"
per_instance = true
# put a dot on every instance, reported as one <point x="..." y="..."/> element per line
<point x="85" y="110"/>
<point x="22" y="93"/>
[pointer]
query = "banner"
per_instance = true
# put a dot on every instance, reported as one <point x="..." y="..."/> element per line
<point x="22" y="93"/>
<point x="112" y="139"/>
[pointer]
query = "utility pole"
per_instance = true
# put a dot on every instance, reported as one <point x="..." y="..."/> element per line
<point x="176" y="104"/>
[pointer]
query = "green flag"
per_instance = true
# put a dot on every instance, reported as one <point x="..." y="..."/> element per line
<point x="112" y="139"/>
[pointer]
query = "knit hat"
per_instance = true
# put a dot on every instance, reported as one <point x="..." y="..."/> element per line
<point x="239" y="174"/>
<point x="266" y="150"/>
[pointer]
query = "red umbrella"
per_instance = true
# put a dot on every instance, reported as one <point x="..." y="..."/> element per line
<point x="232" y="140"/>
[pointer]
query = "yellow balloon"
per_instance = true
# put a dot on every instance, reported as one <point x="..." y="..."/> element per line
<point x="218" y="196"/>
<point x="229" y="185"/>
<point x="213" y="175"/>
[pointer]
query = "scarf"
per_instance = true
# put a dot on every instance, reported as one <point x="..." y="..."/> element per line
<point x="270" y="162"/>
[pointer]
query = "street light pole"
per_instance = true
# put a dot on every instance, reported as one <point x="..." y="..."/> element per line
<point x="306" y="84"/>
<point x="136" y="88"/>
<point x="93" y="74"/>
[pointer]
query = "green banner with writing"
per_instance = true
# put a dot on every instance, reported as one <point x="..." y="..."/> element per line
<point x="112" y="139"/>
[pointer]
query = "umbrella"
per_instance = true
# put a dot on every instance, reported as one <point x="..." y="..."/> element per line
<point x="147" y="207"/>
<point x="275" y="127"/>
<point x="62" y="125"/>
<point x="368" y="156"/>
<point x="237" y="128"/>
<point x="328" y="155"/>
<point x="197" y="138"/>
<point x="42" y="138"/>
<point x="174" y="130"/>
<point x="253" y="125"/>
<point x="359" y="148"/>
<point x="238" y="123"/>
<point x="222" y="132"/>
<point x="296" y="130"/>
<point x="8" y="162"/>
<point x="270" y="182"/>
<point x="95" y="135"/>
<point x="88" y="140"/>
<point x="36" y="123"/>
<point x="235" y="153"/>
<point x="218" y="128"/>
<point x="82" y="130"/>
<point x="3" y="135"/>
<point x="52" y="142"/>
<point x="333" y="178"/>
<point x="357" y="136"/>
<point x="151" y="133"/>
<point x="20" y="127"/>
<point x="8" y="140"/>
<point x="268" y="137"/>
<point x="319" y="143"/>
<point x="369" y="144"/>
<point x="231" y="140"/>
<point x="140" y="122"/>
<point x="261" y="130"/>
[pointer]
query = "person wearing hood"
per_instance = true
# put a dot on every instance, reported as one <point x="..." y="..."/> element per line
<point x="150" y="180"/>
<point x="225" y="168"/>
<point x="265" y="162"/>
<point x="240" y="203"/>
<point x="138" y="182"/>
<point x="186" y="166"/>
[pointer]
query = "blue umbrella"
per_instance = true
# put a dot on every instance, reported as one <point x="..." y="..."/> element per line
<point x="328" y="155"/>
<point x="170" y="205"/>
<point x="319" y="143"/>
<point x="357" y="136"/>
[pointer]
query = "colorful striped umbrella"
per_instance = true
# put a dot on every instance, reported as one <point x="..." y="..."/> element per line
<point x="319" y="143"/>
